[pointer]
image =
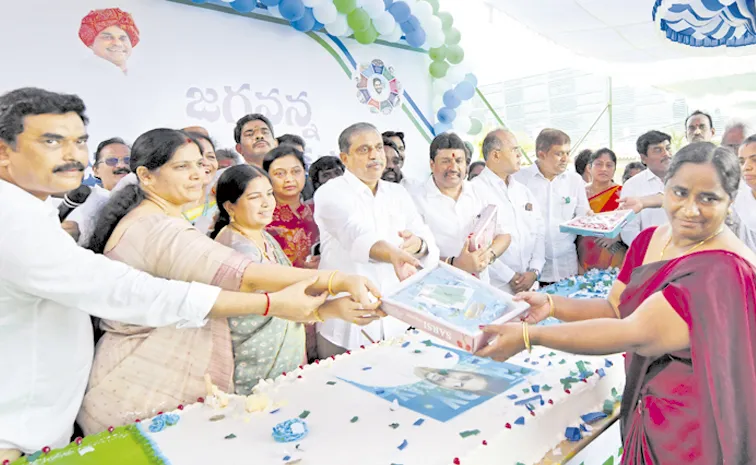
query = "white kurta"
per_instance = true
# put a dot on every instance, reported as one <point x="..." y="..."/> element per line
<point x="49" y="287"/>
<point x="643" y="184"/>
<point x="451" y="221"/>
<point x="744" y="209"/>
<point x="520" y="214"/>
<point x="560" y="200"/>
<point x="351" y="220"/>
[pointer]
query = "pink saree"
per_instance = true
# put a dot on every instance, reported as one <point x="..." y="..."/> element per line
<point x="139" y="371"/>
<point x="695" y="406"/>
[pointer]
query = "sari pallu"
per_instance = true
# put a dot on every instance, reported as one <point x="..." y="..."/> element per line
<point x="139" y="371"/>
<point x="590" y="254"/>
<point x="695" y="406"/>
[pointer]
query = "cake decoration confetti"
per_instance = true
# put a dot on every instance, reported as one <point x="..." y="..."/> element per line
<point x="379" y="391"/>
<point x="512" y="396"/>
<point x="601" y="372"/>
<point x="394" y="425"/>
<point x="526" y="391"/>
<point x="428" y="343"/>
<point x="608" y="363"/>
<point x="520" y="421"/>
<point x="507" y="426"/>
<point x="535" y="388"/>
<point x="573" y="434"/>
<point x="275" y="411"/>
<point x="217" y="417"/>
<point x="304" y="414"/>
<point x="290" y="430"/>
<point x="528" y="400"/>
<point x="230" y="436"/>
<point x="562" y="362"/>
<point x="354" y="419"/>
<point x="448" y="355"/>
<point x="402" y="445"/>
<point x="456" y="461"/>
<point x="468" y="433"/>
<point x="366" y="368"/>
<point x="552" y="354"/>
<point x="546" y="387"/>
<point x="331" y="383"/>
<point x="608" y="407"/>
<point x="485" y="443"/>
<point x="286" y="458"/>
<point x="405" y="345"/>
<point x="417" y="351"/>
<point x="419" y="422"/>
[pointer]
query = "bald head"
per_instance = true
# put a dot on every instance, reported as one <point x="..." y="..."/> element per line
<point x="502" y="152"/>
<point x="498" y="139"/>
<point x="734" y="135"/>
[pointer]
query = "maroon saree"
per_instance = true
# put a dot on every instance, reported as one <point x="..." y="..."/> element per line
<point x="696" y="406"/>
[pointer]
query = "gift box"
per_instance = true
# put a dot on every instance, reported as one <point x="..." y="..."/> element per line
<point x="484" y="229"/>
<point x="607" y="225"/>
<point x="451" y="304"/>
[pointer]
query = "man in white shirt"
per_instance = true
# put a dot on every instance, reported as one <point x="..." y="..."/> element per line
<point x="254" y="138"/>
<point x="655" y="150"/>
<point x="519" y="268"/>
<point x="744" y="207"/>
<point x="450" y="207"/>
<point x="111" y="164"/>
<point x="49" y="286"/>
<point x="371" y="227"/>
<point x="699" y="127"/>
<point x="561" y="196"/>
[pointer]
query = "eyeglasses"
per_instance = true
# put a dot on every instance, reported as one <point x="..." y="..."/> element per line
<point x="113" y="162"/>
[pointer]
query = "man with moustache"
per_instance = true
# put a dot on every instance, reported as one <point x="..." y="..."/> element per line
<point x="734" y="135"/>
<point x="111" y="164"/>
<point x="394" y="162"/>
<point x="561" y="196"/>
<point x="450" y="206"/>
<point x="371" y="227"/>
<point x="254" y="138"/>
<point x="111" y="35"/>
<point x="655" y="150"/>
<point x="519" y="268"/>
<point x="699" y="127"/>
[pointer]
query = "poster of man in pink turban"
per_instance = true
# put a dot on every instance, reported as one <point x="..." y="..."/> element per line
<point x="111" y="34"/>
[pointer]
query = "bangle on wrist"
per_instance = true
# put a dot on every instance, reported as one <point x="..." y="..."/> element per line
<point x="267" y="304"/>
<point x="526" y="336"/>
<point x="552" y="307"/>
<point x="330" y="284"/>
<point x="317" y="316"/>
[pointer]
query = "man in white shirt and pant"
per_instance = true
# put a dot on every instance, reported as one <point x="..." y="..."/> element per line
<point x="450" y="208"/>
<point x="520" y="267"/>
<point x="655" y="150"/>
<point x="561" y="196"/>
<point x="371" y="227"/>
<point x="49" y="286"/>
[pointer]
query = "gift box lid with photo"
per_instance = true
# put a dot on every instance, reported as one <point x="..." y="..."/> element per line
<point x="607" y="225"/>
<point x="451" y="305"/>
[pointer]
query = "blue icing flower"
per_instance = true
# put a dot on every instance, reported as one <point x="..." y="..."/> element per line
<point x="290" y="430"/>
<point x="171" y="419"/>
<point x="158" y="424"/>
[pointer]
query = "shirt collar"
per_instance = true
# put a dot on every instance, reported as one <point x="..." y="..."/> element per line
<point x="432" y="189"/>
<point x="26" y="198"/>
<point x="536" y="173"/>
<point x="650" y="176"/>
<point x="358" y="185"/>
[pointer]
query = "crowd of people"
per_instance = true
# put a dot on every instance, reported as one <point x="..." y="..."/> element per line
<point x="189" y="264"/>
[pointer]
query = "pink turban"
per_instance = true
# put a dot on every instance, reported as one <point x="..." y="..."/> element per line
<point x="98" y="20"/>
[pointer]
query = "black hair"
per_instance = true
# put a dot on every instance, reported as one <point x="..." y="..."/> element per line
<point x="279" y="152"/>
<point x="226" y="154"/>
<point x="345" y="138"/>
<point x="246" y="119"/>
<point x="105" y="143"/>
<point x="291" y="139"/>
<point x="603" y="151"/>
<point x="152" y="150"/>
<point x="651" y="138"/>
<point x="30" y="101"/>
<point x="324" y="163"/>
<point x="197" y="136"/>
<point x="472" y="166"/>
<point x="636" y="165"/>
<point x="549" y="137"/>
<point x="231" y="185"/>
<point x="723" y="160"/>
<point x="491" y="143"/>
<point x="749" y="140"/>
<point x="469" y="149"/>
<point x="697" y="113"/>
<point x="398" y="134"/>
<point x="390" y="143"/>
<point x="445" y="141"/>
<point x="584" y="158"/>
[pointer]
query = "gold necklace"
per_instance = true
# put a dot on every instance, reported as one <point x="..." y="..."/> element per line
<point x="263" y="250"/>
<point x="664" y="250"/>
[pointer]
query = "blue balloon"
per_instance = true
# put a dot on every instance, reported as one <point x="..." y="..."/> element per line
<point x="470" y="77"/>
<point x="400" y="11"/>
<point x="446" y="115"/>
<point x="465" y="90"/>
<point x="411" y="25"/>
<point x="440" y="128"/>
<point x="451" y="100"/>
<point x="270" y="2"/>
<point x="318" y="26"/>
<point x="416" y="38"/>
<point x="306" y="23"/>
<point x="291" y="10"/>
<point x="243" y="6"/>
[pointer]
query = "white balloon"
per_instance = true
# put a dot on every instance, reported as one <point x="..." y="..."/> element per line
<point x="423" y="11"/>
<point x="339" y="26"/>
<point x="312" y="3"/>
<point x="434" y="39"/>
<point x="384" y="23"/>
<point x="325" y="13"/>
<point x="456" y="74"/>
<point x="464" y="111"/>
<point x="434" y="25"/>
<point x="374" y="8"/>
<point x="462" y="124"/>
<point x="394" y="36"/>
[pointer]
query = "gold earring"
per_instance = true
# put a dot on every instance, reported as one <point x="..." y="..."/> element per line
<point x="231" y="217"/>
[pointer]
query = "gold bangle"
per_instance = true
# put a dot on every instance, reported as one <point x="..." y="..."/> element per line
<point x="330" y="284"/>
<point x="526" y="336"/>
<point x="552" y="307"/>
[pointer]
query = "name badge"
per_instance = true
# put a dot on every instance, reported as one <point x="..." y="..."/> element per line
<point x="528" y="207"/>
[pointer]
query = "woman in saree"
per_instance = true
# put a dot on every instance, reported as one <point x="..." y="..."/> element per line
<point x="264" y="347"/>
<point x="201" y="212"/>
<point x="603" y="196"/>
<point x="691" y="346"/>
<point x="139" y="371"/>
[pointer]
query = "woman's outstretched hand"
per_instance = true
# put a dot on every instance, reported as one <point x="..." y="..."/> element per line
<point x="539" y="306"/>
<point x="294" y="304"/>
<point x="346" y="309"/>
<point x="508" y="341"/>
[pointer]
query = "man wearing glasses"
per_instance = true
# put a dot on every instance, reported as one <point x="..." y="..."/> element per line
<point x="655" y="150"/>
<point x="110" y="166"/>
